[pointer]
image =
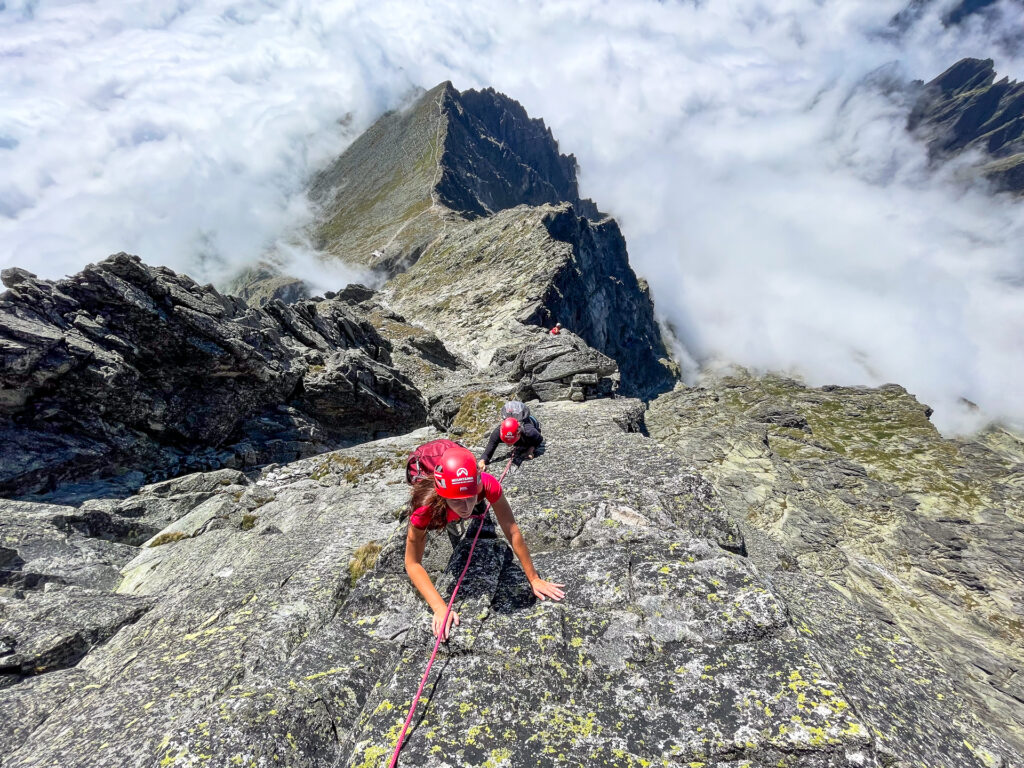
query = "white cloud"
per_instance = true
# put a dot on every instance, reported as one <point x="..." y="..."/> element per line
<point x="753" y="152"/>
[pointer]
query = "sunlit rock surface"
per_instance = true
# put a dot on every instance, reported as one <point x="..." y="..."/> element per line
<point x="680" y="641"/>
<point x="872" y="513"/>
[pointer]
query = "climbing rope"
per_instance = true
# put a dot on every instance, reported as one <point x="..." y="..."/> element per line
<point x="444" y="623"/>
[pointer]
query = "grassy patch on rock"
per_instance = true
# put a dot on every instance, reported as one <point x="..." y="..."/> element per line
<point x="352" y="468"/>
<point x="362" y="561"/>
<point x="168" y="538"/>
<point x="477" y="416"/>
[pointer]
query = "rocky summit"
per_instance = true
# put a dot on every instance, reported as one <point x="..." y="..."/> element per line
<point x="965" y="108"/>
<point x="203" y="526"/>
<point x="447" y="158"/>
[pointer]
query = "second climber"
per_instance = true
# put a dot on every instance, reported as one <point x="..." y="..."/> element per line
<point x="523" y="437"/>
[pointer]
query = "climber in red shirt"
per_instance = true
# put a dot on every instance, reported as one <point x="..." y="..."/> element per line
<point x="456" y="491"/>
<point x="557" y="329"/>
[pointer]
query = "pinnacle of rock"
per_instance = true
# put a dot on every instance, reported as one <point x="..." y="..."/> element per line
<point x="965" y="108"/>
<point x="447" y="158"/>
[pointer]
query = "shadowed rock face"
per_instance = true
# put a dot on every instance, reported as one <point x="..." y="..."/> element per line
<point x="964" y="108"/>
<point x="128" y="366"/>
<point x="496" y="157"/>
<point x="485" y="288"/>
<point x="447" y="158"/>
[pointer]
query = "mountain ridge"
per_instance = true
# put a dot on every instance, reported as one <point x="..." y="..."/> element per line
<point x="448" y="158"/>
<point x="966" y="109"/>
<point x="758" y="574"/>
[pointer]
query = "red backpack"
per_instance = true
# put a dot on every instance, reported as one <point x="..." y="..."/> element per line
<point x="422" y="461"/>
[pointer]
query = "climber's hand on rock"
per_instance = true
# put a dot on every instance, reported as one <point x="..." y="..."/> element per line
<point x="545" y="589"/>
<point x="440" y="628"/>
<point x="481" y="464"/>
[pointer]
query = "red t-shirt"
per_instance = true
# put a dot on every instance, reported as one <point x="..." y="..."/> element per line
<point x="490" y="490"/>
<point x="555" y="331"/>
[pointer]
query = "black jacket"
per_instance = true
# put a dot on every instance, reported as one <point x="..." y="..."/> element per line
<point x="529" y="437"/>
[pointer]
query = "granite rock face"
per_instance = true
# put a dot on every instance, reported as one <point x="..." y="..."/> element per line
<point x="129" y="365"/>
<point x="965" y="108"/>
<point x="758" y="574"/>
<point x="866" y="504"/>
<point x="465" y="185"/>
<point x="674" y="646"/>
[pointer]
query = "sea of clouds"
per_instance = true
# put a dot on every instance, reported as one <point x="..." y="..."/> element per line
<point x="754" y="152"/>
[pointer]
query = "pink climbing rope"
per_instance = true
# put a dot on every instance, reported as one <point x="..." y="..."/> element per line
<point x="444" y="623"/>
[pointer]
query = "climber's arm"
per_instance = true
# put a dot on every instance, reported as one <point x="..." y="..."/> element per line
<point x="415" y="543"/>
<point x="541" y="588"/>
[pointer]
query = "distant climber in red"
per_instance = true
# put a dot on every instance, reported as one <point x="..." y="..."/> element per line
<point x="557" y="329"/>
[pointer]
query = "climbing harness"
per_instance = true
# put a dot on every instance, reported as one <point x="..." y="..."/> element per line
<point x="444" y="623"/>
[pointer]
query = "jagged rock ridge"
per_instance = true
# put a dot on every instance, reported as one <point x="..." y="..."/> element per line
<point x="758" y="574"/>
<point x="125" y="367"/>
<point x="492" y="288"/>
<point x="965" y="108"/>
<point x="470" y="177"/>
<point x="447" y="158"/>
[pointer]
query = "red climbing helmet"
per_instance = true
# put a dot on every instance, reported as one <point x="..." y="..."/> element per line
<point x="509" y="430"/>
<point x="456" y="475"/>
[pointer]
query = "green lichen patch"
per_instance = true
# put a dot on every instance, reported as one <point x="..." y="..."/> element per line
<point x="352" y="469"/>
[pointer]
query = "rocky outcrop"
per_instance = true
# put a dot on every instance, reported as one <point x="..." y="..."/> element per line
<point x="466" y="202"/>
<point x="44" y="544"/>
<point x="491" y="289"/>
<point x="264" y="283"/>
<point x="758" y="574"/>
<point x="673" y="646"/>
<point x="964" y="108"/>
<point x="46" y="631"/>
<point x="447" y="158"/>
<point x="128" y="366"/>
<point x="867" y="505"/>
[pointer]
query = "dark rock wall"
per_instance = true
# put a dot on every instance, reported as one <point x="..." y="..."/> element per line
<point x="966" y="108"/>
<point x="598" y="296"/>
<point x="129" y="366"/>
<point x="496" y="157"/>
